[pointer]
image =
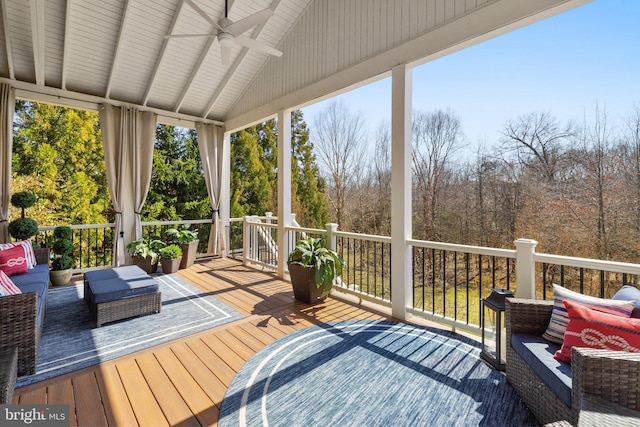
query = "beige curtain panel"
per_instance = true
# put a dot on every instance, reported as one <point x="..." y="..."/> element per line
<point x="143" y="128"/>
<point x="127" y="137"/>
<point x="7" y="109"/>
<point x="210" y="143"/>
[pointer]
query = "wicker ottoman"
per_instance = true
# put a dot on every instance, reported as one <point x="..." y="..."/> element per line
<point x="8" y="373"/>
<point x="121" y="293"/>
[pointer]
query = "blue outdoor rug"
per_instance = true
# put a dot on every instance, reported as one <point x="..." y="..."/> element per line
<point x="371" y="373"/>
<point x="70" y="340"/>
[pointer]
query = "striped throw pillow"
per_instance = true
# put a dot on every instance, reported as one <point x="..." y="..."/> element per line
<point x="6" y="285"/>
<point x="559" y="319"/>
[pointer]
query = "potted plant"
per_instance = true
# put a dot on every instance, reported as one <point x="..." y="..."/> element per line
<point x="61" y="267"/>
<point x="313" y="269"/>
<point x="23" y="228"/>
<point x="144" y="253"/>
<point x="188" y="241"/>
<point x="170" y="257"/>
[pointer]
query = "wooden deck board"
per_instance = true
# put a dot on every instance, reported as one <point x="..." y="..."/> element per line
<point x="114" y="397"/>
<point x="88" y="403"/>
<point x="183" y="382"/>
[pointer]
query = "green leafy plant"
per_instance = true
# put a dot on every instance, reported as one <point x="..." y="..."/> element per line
<point x="62" y="248"/>
<point x="143" y="248"/>
<point x="312" y="252"/>
<point x="182" y="234"/>
<point x="23" y="228"/>
<point x="170" y="252"/>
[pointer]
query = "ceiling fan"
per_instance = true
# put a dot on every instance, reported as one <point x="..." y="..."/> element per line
<point x="230" y="33"/>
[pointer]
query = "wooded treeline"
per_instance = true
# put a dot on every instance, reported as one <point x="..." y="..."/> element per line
<point x="58" y="155"/>
<point x="573" y="187"/>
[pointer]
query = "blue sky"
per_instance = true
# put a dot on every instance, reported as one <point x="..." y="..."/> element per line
<point x="564" y="65"/>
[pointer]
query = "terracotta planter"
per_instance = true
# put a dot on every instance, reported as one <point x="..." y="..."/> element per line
<point x="170" y="265"/>
<point x="189" y="253"/>
<point x="145" y="264"/>
<point x="60" y="277"/>
<point x="303" y="280"/>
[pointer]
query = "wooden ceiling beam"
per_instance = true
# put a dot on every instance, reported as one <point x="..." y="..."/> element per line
<point x="118" y="49"/>
<point x="7" y="40"/>
<point x="37" y="37"/>
<point x="161" y="55"/>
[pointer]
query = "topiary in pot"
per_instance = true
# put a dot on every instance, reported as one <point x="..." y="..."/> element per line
<point x="61" y="267"/>
<point x="23" y="228"/>
<point x="313" y="269"/>
<point x="170" y="257"/>
<point x="188" y="241"/>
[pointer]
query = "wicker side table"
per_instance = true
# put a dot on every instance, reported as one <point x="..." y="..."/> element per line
<point x="8" y="373"/>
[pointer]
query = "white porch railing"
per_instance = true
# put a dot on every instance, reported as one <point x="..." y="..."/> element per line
<point x="448" y="280"/>
<point x="447" y="284"/>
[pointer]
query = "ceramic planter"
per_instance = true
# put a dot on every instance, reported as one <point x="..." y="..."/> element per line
<point x="303" y="280"/>
<point x="189" y="253"/>
<point x="60" y="277"/>
<point x="170" y="265"/>
<point x="145" y="264"/>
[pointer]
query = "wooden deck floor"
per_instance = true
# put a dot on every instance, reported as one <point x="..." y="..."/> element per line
<point x="183" y="382"/>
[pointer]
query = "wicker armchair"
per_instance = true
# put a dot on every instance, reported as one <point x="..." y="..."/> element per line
<point x="19" y="325"/>
<point x="613" y="376"/>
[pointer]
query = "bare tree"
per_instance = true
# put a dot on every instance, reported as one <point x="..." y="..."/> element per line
<point x="632" y="138"/>
<point x="538" y="141"/>
<point x="338" y="138"/>
<point x="436" y="136"/>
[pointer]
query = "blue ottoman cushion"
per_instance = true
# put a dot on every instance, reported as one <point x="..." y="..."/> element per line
<point x="125" y="272"/>
<point x="116" y="288"/>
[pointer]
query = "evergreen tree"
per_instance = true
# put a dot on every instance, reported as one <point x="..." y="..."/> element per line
<point x="250" y="185"/>
<point x="254" y="178"/>
<point x="308" y="187"/>
<point x="177" y="189"/>
<point x="57" y="154"/>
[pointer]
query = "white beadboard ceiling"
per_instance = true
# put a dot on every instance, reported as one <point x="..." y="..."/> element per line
<point x="115" y="51"/>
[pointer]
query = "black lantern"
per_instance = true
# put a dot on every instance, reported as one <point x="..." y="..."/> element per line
<point x="494" y="350"/>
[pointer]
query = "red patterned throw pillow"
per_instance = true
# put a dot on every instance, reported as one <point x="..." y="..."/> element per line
<point x="13" y="261"/>
<point x="6" y="285"/>
<point x="594" y="329"/>
<point x="28" y="251"/>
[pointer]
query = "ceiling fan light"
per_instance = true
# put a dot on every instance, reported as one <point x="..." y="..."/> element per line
<point x="226" y="40"/>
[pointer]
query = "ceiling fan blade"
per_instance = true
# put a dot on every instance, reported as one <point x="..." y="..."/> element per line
<point x="202" y="13"/>
<point x="225" y="52"/>
<point x="249" y="22"/>
<point x="255" y="45"/>
<point x="180" y="36"/>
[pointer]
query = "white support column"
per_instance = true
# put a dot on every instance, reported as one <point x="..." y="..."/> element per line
<point x="284" y="188"/>
<point x="525" y="268"/>
<point x="401" y="225"/>
<point x="225" y="191"/>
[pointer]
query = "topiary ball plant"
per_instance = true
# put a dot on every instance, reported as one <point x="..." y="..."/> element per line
<point x="62" y="248"/>
<point x="23" y="228"/>
<point x="23" y="200"/>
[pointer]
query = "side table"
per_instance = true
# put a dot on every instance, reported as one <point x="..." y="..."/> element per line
<point x="8" y="373"/>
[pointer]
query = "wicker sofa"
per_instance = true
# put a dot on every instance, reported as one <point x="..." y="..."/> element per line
<point x="22" y="315"/>
<point x="613" y="376"/>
